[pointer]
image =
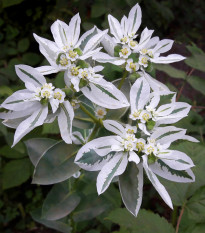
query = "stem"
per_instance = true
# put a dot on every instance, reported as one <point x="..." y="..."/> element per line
<point x="183" y="85"/>
<point x="174" y="216"/>
<point x="199" y="107"/>
<point x="83" y="119"/>
<point x="122" y="80"/>
<point x="180" y="217"/>
<point x="94" y="132"/>
<point x="21" y="209"/>
<point x="89" y="114"/>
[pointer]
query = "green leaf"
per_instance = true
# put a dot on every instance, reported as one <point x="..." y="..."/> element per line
<point x="7" y="152"/>
<point x="197" y="83"/>
<point x="37" y="146"/>
<point x="56" y="164"/>
<point x="196" y="205"/>
<point x="59" y="225"/>
<point x="146" y="222"/>
<point x="131" y="183"/>
<point x="197" y="62"/>
<point x="7" y="3"/>
<point x="89" y="208"/>
<point x="59" y="202"/>
<point x="51" y="128"/>
<point x="31" y="59"/>
<point x="16" y="172"/>
<point x="23" y="45"/>
<point x="171" y="71"/>
<point x="59" y="80"/>
<point x="98" y="10"/>
<point x="5" y="91"/>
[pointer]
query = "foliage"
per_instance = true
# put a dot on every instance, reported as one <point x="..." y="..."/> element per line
<point x="89" y="211"/>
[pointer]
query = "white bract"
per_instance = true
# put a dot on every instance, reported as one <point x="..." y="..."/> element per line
<point x="68" y="48"/>
<point x="28" y="108"/>
<point x="152" y="48"/>
<point x="147" y="111"/>
<point x="124" y="33"/>
<point x="111" y="155"/>
<point x="130" y="148"/>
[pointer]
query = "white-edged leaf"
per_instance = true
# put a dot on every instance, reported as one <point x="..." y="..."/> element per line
<point x="114" y="127"/>
<point x="106" y="58"/>
<point x="115" y="28"/>
<point x="139" y="94"/>
<point x="29" y="74"/>
<point x="168" y="134"/>
<point x="65" y="119"/>
<point x="108" y="45"/>
<point x="94" y="42"/>
<point x="106" y="96"/>
<point x="155" y="182"/>
<point x="61" y="33"/>
<point x="115" y="167"/>
<point x="19" y="101"/>
<point x="131" y="187"/>
<point x="134" y="19"/>
<point x="74" y="29"/>
<point x="95" y="154"/>
<point x="162" y="169"/>
<point x="169" y="59"/>
<point x="86" y="37"/>
<point x="36" y="119"/>
<point x="163" y="46"/>
<point x="49" y="49"/>
<point x="47" y="69"/>
<point x="176" y="160"/>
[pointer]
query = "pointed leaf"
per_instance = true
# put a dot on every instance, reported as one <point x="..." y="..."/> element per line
<point x="59" y="202"/>
<point x="56" y="164"/>
<point x="131" y="185"/>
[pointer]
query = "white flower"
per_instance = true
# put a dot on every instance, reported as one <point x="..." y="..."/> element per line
<point x="29" y="107"/>
<point x="125" y="51"/>
<point x="100" y="112"/>
<point x="68" y="47"/>
<point x="124" y="33"/>
<point x="130" y="129"/>
<point x="153" y="47"/>
<point x="132" y="66"/>
<point x="143" y="61"/>
<point x="145" y="107"/>
<point x="112" y="154"/>
<point x="128" y="27"/>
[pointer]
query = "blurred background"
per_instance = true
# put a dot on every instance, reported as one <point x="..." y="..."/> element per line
<point x="180" y="20"/>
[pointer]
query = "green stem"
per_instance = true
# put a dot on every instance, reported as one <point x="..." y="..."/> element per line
<point x="174" y="216"/>
<point x="83" y="119"/>
<point x="122" y="80"/>
<point x="94" y="132"/>
<point x="89" y="114"/>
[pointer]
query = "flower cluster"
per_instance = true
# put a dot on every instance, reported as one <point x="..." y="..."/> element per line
<point x="144" y="143"/>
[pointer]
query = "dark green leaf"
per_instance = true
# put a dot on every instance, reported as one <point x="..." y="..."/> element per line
<point x="59" y="202"/>
<point x="60" y="225"/>
<point x="16" y="172"/>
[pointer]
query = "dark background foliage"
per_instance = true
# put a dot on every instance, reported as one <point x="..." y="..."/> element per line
<point x="181" y="20"/>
